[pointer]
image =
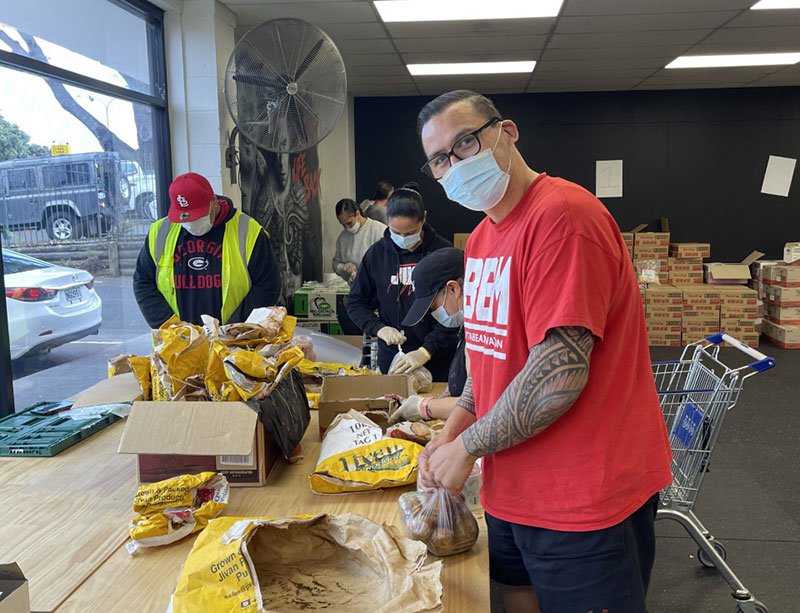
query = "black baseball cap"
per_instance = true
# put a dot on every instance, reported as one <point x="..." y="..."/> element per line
<point x="429" y="277"/>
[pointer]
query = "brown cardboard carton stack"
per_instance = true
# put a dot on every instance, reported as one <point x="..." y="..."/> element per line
<point x="663" y="315"/>
<point x="701" y="311"/>
<point x="652" y="246"/>
<point x="758" y="272"/>
<point x="685" y="263"/>
<point x="739" y="313"/>
<point x="628" y="238"/>
<point x="782" y="302"/>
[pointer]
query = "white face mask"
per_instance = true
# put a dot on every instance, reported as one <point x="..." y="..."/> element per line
<point x="477" y="183"/>
<point x="456" y="320"/>
<point x="198" y="227"/>
<point x="406" y="242"/>
<point x="354" y="228"/>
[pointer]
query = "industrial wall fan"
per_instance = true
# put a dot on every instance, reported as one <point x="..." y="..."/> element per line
<point x="285" y="86"/>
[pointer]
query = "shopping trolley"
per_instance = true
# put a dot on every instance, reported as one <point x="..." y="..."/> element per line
<point x="695" y="393"/>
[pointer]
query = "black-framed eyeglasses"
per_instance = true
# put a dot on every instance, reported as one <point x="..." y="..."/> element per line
<point x="465" y="147"/>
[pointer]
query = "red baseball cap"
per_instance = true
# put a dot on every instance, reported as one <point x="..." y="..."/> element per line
<point x="190" y="195"/>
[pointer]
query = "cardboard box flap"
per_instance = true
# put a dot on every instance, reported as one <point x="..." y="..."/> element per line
<point x="11" y="572"/>
<point x="121" y="388"/>
<point x="750" y="259"/>
<point x="191" y="428"/>
<point x="367" y="387"/>
<point x="639" y="228"/>
<point x="724" y="272"/>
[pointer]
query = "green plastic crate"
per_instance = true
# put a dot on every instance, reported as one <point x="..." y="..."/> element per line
<point x="27" y="435"/>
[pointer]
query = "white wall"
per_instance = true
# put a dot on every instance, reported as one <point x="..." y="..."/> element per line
<point x="200" y="37"/>
<point x="337" y="161"/>
<point x="199" y="41"/>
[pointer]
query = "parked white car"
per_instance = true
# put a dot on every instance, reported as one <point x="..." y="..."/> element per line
<point x="48" y="305"/>
<point x="141" y="189"/>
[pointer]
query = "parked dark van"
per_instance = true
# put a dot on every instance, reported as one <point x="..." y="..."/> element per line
<point x="69" y="196"/>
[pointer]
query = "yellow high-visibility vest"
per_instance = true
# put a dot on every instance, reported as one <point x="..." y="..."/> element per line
<point x="241" y="233"/>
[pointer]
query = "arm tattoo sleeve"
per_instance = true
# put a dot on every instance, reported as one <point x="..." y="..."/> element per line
<point x="467" y="400"/>
<point x="553" y="377"/>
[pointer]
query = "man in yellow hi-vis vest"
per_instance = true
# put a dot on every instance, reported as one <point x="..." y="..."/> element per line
<point x="204" y="258"/>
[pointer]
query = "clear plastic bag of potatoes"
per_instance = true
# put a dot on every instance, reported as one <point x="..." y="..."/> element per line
<point x="440" y="520"/>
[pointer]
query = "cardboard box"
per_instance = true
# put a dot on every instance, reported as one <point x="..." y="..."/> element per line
<point x="178" y="437"/>
<point x="737" y="294"/>
<point x="783" y="276"/>
<point x="664" y="339"/>
<point x="663" y="295"/>
<point x="651" y="239"/>
<point x="791" y="253"/>
<point x="14" y="593"/>
<point x="664" y="311"/>
<point x="332" y="328"/>
<point x="686" y="279"/>
<point x="758" y="269"/>
<point x="460" y="240"/>
<point x="782" y="296"/>
<point x="663" y="327"/>
<point x="731" y="274"/>
<point x="686" y="264"/>
<point x="787" y="337"/>
<point x="320" y="302"/>
<point x="690" y="250"/>
<point x="784" y="316"/>
<point x="705" y="294"/>
<point x="365" y="394"/>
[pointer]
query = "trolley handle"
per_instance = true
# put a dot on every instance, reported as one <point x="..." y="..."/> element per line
<point x="762" y="362"/>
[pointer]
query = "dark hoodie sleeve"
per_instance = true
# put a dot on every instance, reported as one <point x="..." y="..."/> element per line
<point x="151" y="303"/>
<point x="363" y="299"/>
<point x="265" y="278"/>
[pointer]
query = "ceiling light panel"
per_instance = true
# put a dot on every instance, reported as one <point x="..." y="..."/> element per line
<point x="776" y="4"/>
<point x="729" y="61"/>
<point x="465" y="10"/>
<point x="460" y="68"/>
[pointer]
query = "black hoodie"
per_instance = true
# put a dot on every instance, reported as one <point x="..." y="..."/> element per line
<point x="383" y="282"/>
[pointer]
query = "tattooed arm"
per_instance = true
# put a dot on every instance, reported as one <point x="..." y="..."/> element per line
<point x="553" y="377"/>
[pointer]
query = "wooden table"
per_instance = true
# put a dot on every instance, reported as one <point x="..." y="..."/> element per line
<point x="65" y="521"/>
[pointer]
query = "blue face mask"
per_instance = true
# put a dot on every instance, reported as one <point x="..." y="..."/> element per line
<point x="456" y="320"/>
<point x="406" y="242"/>
<point x="477" y="183"/>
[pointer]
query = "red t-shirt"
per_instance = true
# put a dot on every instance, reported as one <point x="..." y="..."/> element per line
<point x="559" y="260"/>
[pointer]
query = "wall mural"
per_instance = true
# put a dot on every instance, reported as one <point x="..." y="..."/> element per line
<point x="282" y="192"/>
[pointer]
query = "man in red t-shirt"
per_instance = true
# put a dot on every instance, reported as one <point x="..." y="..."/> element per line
<point x="561" y="402"/>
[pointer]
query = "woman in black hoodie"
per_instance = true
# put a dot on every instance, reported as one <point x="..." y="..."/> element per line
<point x="384" y="283"/>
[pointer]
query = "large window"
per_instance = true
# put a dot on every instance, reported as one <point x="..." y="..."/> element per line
<point x="84" y="164"/>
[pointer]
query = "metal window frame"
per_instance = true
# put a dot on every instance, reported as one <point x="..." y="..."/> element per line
<point x="154" y="18"/>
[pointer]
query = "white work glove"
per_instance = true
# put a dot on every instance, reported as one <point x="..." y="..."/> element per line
<point x="408" y="411"/>
<point x="391" y="336"/>
<point x="409" y="362"/>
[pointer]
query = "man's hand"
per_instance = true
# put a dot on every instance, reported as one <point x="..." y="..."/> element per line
<point x="409" y="362"/>
<point x="391" y="336"/>
<point x="408" y="410"/>
<point x="449" y="466"/>
<point x="424" y="476"/>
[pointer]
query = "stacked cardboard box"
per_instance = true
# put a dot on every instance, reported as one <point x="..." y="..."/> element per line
<point x="652" y="246"/>
<point x="685" y="263"/>
<point x="664" y="315"/>
<point x="701" y="311"/>
<point x="739" y="313"/>
<point x="628" y="238"/>
<point x="690" y="250"/>
<point x="782" y="299"/>
<point x="758" y="272"/>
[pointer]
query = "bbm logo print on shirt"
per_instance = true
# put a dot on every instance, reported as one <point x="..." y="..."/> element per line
<point x="486" y="298"/>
